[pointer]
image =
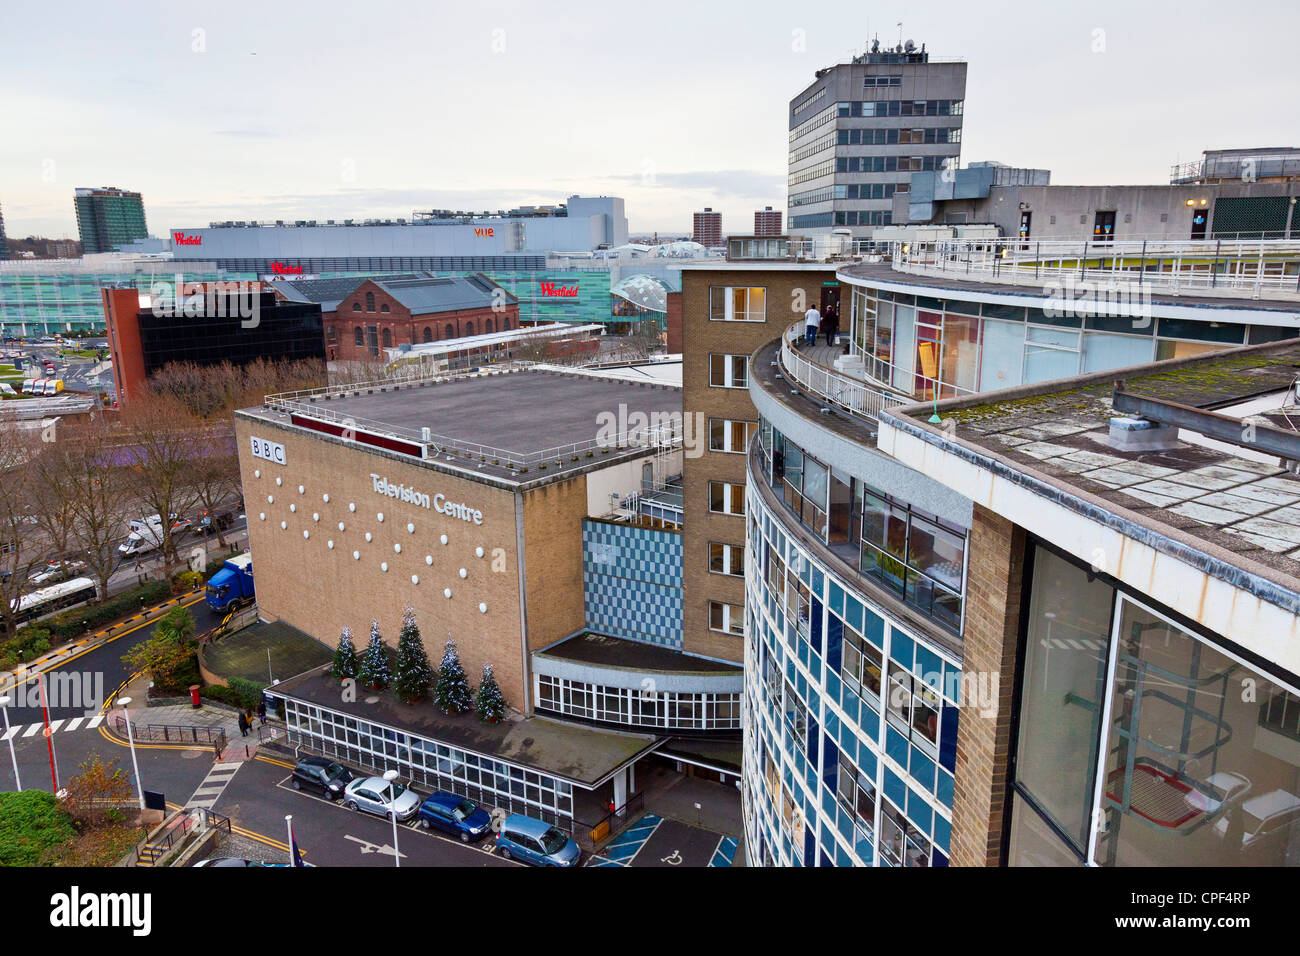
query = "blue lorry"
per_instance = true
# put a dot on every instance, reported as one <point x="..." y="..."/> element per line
<point x="232" y="586"/>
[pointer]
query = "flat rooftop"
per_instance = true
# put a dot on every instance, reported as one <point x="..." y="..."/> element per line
<point x="582" y="755"/>
<point x="608" y="651"/>
<point x="532" y="422"/>
<point x="1229" y="498"/>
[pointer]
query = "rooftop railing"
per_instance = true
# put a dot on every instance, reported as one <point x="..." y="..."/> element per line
<point x="1251" y="268"/>
<point x="862" y="397"/>
<point x="662" y="432"/>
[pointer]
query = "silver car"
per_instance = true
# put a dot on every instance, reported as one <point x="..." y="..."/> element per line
<point x="379" y="796"/>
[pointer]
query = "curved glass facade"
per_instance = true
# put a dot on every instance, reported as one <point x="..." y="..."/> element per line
<point x="850" y="714"/>
<point x="921" y="345"/>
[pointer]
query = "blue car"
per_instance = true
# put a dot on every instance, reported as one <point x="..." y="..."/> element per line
<point x="454" y="815"/>
<point x="532" y="841"/>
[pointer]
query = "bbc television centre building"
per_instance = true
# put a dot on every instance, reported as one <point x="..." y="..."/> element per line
<point x="548" y="546"/>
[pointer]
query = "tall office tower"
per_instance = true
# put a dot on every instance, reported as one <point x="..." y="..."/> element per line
<point x="4" y="253"/>
<point x="109" y="216"/>
<point x="707" y="228"/>
<point x="767" y="222"/>
<point x="859" y="131"/>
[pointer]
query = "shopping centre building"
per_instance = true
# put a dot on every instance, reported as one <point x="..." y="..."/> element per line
<point x="920" y="512"/>
<point x="546" y="544"/>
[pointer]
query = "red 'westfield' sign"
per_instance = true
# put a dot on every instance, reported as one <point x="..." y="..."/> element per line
<point x="180" y="239"/>
<point x="566" y="291"/>
<point x="280" y="269"/>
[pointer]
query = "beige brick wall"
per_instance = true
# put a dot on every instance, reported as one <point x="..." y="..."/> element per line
<point x="701" y="338"/>
<point x="994" y="582"/>
<point x="553" y="568"/>
<point x="319" y="590"/>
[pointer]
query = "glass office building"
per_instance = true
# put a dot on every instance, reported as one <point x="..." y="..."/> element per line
<point x="63" y="295"/>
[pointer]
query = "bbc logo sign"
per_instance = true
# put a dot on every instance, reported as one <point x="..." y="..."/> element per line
<point x="269" y="450"/>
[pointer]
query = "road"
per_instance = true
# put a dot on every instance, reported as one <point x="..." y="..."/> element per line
<point x="89" y="677"/>
<point x="78" y="374"/>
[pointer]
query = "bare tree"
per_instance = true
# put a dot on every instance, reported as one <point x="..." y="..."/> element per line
<point x="214" y="477"/>
<point x="24" y="546"/>
<point x="162" y="440"/>
<point x="99" y="492"/>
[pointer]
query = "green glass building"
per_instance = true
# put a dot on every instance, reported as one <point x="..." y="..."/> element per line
<point x="108" y="216"/>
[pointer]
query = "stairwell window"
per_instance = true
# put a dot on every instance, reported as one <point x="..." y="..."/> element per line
<point x="726" y="498"/>
<point x="728" y="371"/>
<point x="727" y="559"/>
<point x="730" y="436"/>
<point x="727" y="618"/>
<point x="735" y="304"/>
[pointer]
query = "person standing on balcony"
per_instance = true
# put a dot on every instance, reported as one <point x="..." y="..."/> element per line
<point x="812" y="322"/>
<point x="831" y="324"/>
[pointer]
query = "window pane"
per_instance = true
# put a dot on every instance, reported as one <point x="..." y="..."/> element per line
<point x="1065" y="655"/>
<point x="1198" y="771"/>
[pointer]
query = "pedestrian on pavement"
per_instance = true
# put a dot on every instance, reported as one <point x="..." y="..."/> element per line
<point x="812" y="321"/>
<point x="243" y="724"/>
<point x="261" y="712"/>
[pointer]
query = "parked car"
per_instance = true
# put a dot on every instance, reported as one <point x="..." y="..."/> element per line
<point x="323" y="774"/>
<point x="532" y="841"/>
<point x="379" y="796"/>
<point x="57" y="571"/>
<point x="454" y="815"/>
<point x="210" y="522"/>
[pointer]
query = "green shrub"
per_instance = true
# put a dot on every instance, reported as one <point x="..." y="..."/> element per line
<point x="250" y="692"/>
<point x="187" y="581"/>
<point x="31" y="823"/>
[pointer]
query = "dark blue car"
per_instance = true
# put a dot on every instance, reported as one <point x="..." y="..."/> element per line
<point x="454" y="815"/>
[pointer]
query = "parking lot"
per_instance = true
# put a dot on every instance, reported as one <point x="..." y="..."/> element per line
<point x="259" y="796"/>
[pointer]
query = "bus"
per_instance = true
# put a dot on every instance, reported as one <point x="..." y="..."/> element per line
<point x="56" y="597"/>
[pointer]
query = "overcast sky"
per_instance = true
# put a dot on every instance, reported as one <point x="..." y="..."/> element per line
<point x="241" y="110"/>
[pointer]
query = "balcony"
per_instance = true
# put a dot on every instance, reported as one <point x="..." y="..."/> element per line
<point x="849" y="388"/>
<point x="1246" y="268"/>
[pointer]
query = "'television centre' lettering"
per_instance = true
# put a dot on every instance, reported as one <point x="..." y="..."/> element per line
<point x="439" y="503"/>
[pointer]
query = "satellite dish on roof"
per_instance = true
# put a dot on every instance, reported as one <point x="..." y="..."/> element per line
<point x="909" y="46"/>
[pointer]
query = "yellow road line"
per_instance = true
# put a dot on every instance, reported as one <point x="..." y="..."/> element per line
<point x="273" y="760"/>
<point x="28" y="675"/>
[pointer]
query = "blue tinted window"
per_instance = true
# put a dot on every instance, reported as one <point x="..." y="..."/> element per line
<point x="943" y="789"/>
<point x="900" y="647"/>
<point x="922" y="769"/>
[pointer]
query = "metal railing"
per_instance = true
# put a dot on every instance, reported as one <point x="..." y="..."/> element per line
<point x="859" y="397"/>
<point x="589" y="836"/>
<point x="1254" y="268"/>
<point x="182" y="825"/>
<point x="170" y="733"/>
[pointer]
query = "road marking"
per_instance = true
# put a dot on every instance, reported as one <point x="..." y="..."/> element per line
<point x="214" y="784"/>
<point x="74" y="723"/>
<point x="33" y="728"/>
<point x="368" y="847"/>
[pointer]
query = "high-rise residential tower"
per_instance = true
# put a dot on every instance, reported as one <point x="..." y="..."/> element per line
<point x="108" y="216"/>
<point x="767" y="222"/>
<point x="707" y="227"/>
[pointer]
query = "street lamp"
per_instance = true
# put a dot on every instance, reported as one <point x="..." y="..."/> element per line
<point x="131" y="740"/>
<point x="391" y="777"/>
<point x="4" y="705"/>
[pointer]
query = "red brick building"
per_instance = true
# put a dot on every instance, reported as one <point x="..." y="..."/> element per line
<point x="363" y="316"/>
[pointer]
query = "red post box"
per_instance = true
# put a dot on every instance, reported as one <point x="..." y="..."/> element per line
<point x="194" y="696"/>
